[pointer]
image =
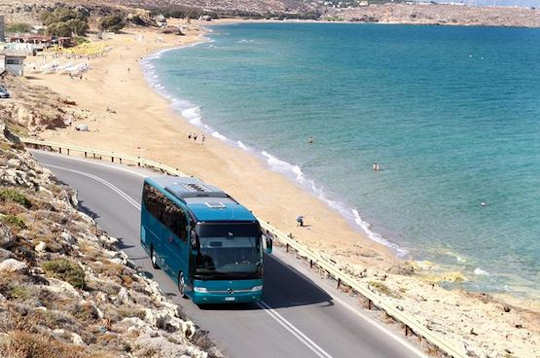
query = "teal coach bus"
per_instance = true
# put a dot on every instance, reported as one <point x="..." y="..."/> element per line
<point x="204" y="239"/>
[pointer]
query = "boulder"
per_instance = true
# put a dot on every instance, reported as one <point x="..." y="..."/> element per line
<point x="123" y="296"/>
<point x="12" y="265"/>
<point x="62" y="287"/>
<point x="41" y="247"/>
<point x="6" y="236"/>
<point x="76" y="339"/>
<point x="13" y="163"/>
<point x="177" y="30"/>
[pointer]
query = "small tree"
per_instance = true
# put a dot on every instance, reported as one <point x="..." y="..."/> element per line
<point x="65" y="22"/>
<point x="113" y="23"/>
<point x="19" y="27"/>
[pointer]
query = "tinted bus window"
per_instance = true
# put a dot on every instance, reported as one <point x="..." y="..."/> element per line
<point x="165" y="211"/>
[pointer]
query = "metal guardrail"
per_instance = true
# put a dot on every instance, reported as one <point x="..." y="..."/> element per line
<point x="410" y="324"/>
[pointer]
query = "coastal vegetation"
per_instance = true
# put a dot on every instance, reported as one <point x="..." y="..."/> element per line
<point x="64" y="21"/>
<point x="112" y="23"/>
<point x="18" y="27"/>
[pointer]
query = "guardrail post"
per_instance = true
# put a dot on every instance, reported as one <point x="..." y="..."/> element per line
<point x="338" y="282"/>
<point x="406" y="330"/>
<point x="100" y="157"/>
<point x="369" y="304"/>
<point x="138" y="161"/>
<point x="112" y="159"/>
<point x="67" y="151"/>
<point x="287" y="247"/>
<point x="60" y="150"/>
<point x="310" y="263"/>
<point x="120" y="159"/>
<point x="85" y="154"/>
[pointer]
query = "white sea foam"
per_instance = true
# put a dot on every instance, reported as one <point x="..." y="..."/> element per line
<point x="376" y="236"/>
<point x="218" y="135"/>
<point x="478" y="271"/>
<point x="283" y="167"/>
<point x="193" y="115"/>
<point x="242" y="145"/>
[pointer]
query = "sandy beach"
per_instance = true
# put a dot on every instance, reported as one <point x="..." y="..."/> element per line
<point x="124" y="114"/>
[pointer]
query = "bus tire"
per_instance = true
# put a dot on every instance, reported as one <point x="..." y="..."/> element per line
<point x="153" y="258"/>
<point x="181" y="285"/>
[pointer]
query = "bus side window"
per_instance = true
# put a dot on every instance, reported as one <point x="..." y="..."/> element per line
<point x="153" y="201"/>
<point x="175" y="220"/>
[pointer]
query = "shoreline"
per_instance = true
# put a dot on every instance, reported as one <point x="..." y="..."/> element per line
<point x="163" y="139"/>
<point x="289" y="170"/>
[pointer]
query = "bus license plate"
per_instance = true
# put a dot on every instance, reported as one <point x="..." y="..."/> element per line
<point x="229" y="298"/>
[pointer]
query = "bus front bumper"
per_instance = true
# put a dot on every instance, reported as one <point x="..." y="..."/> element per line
<point x="235" y="297"/>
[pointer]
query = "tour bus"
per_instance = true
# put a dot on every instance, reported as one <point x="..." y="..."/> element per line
<point x="204" y="239"/>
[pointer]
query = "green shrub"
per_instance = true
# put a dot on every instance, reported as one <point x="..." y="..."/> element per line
<point x="19" y="27"/>
<point x="65" y="22"/>
<point x="65" y="270"/>
<point x="14" y="221"/>
<point x="20" y="292"/>
<point x="14" y="196"/>
<point x="113" y="23"/>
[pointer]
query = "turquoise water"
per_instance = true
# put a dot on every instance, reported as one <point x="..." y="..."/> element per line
<point x="452" y="114"/>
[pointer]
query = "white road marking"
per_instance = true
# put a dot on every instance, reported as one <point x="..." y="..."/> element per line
<point x="295" y="331"/>
<point x="273" y="313"/>
<point x="102" y="181"/>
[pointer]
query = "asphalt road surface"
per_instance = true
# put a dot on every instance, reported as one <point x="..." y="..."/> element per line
<point x="301" y="315"/>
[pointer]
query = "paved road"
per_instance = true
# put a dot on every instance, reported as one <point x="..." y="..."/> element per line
<point x="301" y="314"/>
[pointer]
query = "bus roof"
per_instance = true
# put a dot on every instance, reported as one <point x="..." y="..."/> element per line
<point x="206" y="202"/>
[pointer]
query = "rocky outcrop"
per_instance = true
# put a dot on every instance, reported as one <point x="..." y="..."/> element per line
<point x="35" y="108"/>
<point x="439" y="15"/>
<point x="65" y="288"/>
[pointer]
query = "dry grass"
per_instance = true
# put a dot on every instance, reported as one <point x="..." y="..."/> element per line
<point x="382" y="288"/>
<point x="20" y="344"/>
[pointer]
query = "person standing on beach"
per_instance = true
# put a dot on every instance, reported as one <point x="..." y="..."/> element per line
<point x="203" y="138"/>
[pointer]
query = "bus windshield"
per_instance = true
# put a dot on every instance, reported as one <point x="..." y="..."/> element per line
<point x="228" y="250"/>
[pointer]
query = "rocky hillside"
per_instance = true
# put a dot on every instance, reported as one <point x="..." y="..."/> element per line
<point x="65" y="288"/>
<point x="440" y="15"/>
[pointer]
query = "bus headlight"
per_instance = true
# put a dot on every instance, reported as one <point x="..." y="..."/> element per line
<point x="257" y="288"/>
<point x="200" y="289"/>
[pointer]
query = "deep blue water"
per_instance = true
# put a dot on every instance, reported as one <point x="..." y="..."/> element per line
<point x="452" y="114"/>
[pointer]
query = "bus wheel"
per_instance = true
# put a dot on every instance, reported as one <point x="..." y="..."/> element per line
<point x="153" y="258"/>
<point x="181" y="284"/>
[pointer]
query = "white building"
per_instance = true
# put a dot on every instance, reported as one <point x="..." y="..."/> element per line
<point x="12" y="63"/>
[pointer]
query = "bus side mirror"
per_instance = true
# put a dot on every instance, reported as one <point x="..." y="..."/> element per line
<point x="268" y="245"/>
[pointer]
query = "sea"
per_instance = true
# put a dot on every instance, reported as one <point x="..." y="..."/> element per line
<point x="450" y="114"/>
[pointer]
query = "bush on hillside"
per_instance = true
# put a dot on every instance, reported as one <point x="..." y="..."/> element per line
<point x="65" y="22"/>
<point x="112" y="23"/>
<point x="14" y="196"/>
<point x="65" y="270"/>
<point x="19" y="27"/>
